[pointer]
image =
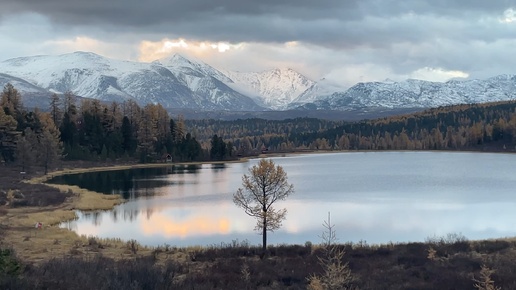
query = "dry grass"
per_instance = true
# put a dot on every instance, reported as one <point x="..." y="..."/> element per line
<point x="89" y="200"/>
<point x="36" y="245"/>
<point x="21" y="217"/>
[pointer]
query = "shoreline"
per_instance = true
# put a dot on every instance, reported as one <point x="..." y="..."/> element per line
<point x="38" y="245"/>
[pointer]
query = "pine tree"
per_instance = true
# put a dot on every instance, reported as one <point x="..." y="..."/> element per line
<point x="128" y="140"/>
<point x="55" y="111"/>
<point x="8" y="135"/>
<point x="11" y="102"/>
<point x="25" y="149"/>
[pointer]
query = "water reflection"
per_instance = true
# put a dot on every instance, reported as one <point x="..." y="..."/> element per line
<point x="130" y="183"/>
<point x="377" y="197"/>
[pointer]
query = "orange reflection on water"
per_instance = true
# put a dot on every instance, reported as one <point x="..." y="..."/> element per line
<point x="197" y="225"/>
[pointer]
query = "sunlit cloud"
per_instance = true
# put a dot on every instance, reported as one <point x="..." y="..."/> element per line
<point x="509" y="16"/>
<point x="84" y="43"/>
<point x="77" y="43"/>
<point x="244" y="56"/>
<point x="152" y="50"/>
<point x="170" y="45"/>
<point x="292" y="44"/>
<point x="437" y="74"/>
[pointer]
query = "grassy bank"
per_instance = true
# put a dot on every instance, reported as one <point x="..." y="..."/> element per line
<point x="52" y="204"/>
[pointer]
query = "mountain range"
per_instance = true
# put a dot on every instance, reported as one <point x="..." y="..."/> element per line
<point x="178" y="82"/>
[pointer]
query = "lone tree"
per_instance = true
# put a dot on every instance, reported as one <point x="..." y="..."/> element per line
<point x="265" y="184"/>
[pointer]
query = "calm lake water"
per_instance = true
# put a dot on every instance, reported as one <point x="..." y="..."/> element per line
<point x="377" y="197"/>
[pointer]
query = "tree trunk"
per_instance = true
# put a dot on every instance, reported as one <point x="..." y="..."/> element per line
<point x="264" y="234"/>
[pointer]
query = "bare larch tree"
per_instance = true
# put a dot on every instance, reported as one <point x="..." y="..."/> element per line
<point x="265" y="184"/>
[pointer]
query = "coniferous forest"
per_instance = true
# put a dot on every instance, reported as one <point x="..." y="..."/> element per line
<point x="95" y="131"/>
<point x="480" y="127"/>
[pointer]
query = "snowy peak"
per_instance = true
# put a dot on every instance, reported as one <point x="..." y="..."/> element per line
<point x="181" y="64"/>
<point x="275" y="88"/>
<point x="176" y="81"/>
<point x="178" y="61"/>
<point x="181" y="61"/>
<point x="181" y="82"/>
<point x="193" y="85"/>
<point x="86" y="74"/>
<point x="204" y="80"/>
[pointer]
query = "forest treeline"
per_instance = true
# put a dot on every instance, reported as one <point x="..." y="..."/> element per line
<point x="92" y="130"/>
<point x="489" y="127"/>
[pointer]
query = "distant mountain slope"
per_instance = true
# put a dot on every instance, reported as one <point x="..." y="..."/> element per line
<point x="420" y="94"/>
<point x="32" y="95"/>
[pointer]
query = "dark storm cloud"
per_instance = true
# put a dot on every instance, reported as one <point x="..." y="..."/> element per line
<point x="331" y="23"/>
<point x="137" y="12"/>
<point x="349" y="38"/>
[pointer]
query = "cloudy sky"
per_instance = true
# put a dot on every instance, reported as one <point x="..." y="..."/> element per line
<point x="344" y="41"/>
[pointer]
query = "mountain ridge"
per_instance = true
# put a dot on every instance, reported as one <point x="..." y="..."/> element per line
<point x="180" y="82"/>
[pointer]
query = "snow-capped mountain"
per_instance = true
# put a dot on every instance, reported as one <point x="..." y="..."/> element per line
<point x="180" y="64"/>
<point x="206" y="81"/>
<point x="275" y="89"/>
<point x="184" y="83"/>
<point x="92" y="76"/>
<point x="420" y="94"/>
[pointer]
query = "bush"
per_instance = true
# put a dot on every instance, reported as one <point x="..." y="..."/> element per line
<point x="490" y="247"/>
<point x="10" y="267"/>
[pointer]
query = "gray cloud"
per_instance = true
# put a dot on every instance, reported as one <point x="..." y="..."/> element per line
<point x="391" y="36"/>
<point x="325" y="22"/>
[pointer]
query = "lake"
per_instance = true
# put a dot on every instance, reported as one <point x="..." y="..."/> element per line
<point x="376" y="197"/>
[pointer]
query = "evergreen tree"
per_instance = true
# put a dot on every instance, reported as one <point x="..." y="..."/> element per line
<point x="69" y="134"/>
<point x="218" y="148"/>
<point x="91" y="133"/>
<point x="8" y="135"/>
<point x="25" y="149"/>
<point x="55" y="111"/>
<point x="11" y="101"/>
<point x="128" y="140"/>
<point x="192" y="147"/>
<point x="145" y="137"/>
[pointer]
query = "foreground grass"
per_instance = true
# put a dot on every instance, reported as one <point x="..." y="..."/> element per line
<point x="436" y="264"/>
